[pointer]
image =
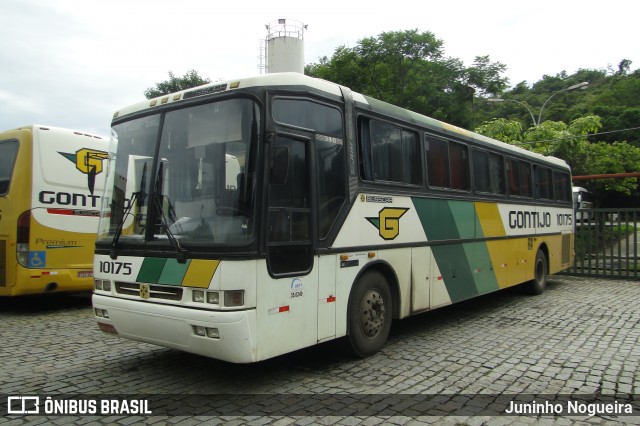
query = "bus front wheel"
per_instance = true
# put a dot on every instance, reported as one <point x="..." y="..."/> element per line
<point x="540" y="271"/>
<point x="370" y="313"/>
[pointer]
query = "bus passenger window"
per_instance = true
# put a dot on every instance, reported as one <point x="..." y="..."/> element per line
<point x="459" y="166"/>
<point x="544" y="185"/>
<point x="387" y="152"/>
<point x="438" y="163"/>
<point x="8" y="153"/>
<point x="561" y="186"/>
<point x="448" y="164"/>
<point x="488" y="172"/>
<point x="519" y="173"/>
<point x="393" y="153"/>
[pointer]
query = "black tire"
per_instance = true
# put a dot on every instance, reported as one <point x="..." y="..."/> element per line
<point x="540" y="271"/>
<point x="369" y="315"/>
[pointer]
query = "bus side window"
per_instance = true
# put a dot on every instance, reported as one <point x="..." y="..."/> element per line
<point x="438" y="162"/>
<point x="8" y="154"/>
<point x="519" y="175"/>
<point x="543" y="183"/>
<point x="488" y="170"/>
<point x="364" y="142"/>
<point x="447" y="163"/>
<point x="561" y="186"/>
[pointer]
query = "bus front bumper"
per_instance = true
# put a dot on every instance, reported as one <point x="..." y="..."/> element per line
<point x="223" y="335"/>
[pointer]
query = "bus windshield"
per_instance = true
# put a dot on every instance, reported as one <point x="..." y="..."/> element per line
<point x="197" y="189"/>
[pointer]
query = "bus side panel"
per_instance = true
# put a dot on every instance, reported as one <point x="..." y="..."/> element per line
<point x="69" y="172"/>
<point x="465" y="264"/>
<point x="12" y="204"/>
<point x="67" y="180"/>
<point x="3" y="263"/>
<point x="327" y="297"/>
<point x="560" y="252"/>
<point x="287" y="312"/>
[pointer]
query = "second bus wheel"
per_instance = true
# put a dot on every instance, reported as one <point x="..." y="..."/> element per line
<point x="540" y="271"/>
<point x="370" y="312"/>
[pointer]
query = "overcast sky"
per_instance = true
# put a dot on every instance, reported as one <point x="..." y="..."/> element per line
<point x="72" y="63"/>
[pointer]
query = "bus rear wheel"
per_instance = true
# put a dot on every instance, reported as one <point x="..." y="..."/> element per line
<point x="540" y="271"/>
<point x="370" y="312"/>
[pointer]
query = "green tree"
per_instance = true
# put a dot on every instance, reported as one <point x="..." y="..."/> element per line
<point x="175" y="84"/>
<point x="504" y="130"/>
<point x="409" y="69"/>
<point x="618" y="157"/>
<point x="613" y="95"/>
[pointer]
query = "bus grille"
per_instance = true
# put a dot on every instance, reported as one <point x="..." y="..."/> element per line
<point x="155" y="291"/>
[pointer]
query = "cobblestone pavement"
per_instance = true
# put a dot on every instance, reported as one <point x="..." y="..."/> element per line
<point x="581" y="337"/>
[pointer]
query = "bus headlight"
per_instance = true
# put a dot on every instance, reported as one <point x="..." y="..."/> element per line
<point x="234" y="298"/>
<point x="197" y="296"/>
<point x="102" y="313"/>
<point x="213" y="297"/>
<point x="104" y="285"/>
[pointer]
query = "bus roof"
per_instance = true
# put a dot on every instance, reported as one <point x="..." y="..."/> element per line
<point x="296" y="79"/>
<point x="36" y="127"/>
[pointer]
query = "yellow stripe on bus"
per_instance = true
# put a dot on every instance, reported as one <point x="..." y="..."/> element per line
<point x="200" y="273"/>
<point x="490" y="219"/>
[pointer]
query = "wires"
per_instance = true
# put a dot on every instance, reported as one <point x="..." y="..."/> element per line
<point x="581" y="136"/>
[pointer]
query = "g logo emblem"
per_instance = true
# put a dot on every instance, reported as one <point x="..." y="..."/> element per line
<point x="145" y="291"/>
<point x="90" y="160"/>
<point x="388" y="222"/>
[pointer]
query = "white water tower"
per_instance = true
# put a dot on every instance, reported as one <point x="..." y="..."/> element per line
<point x="283" y="48"/>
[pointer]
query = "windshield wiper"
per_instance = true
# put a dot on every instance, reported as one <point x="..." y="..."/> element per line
<point x="116" y="237"/>
<point x="135" y="197"/>
<point x="181" y="255"/>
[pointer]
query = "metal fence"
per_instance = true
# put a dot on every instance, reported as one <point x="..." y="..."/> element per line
<point x="606" y="243"/>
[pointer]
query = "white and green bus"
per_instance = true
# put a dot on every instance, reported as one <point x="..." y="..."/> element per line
<point x="250" y="218"/>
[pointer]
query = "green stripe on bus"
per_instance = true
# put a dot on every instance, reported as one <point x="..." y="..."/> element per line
<point x="436" y="218"/>
<point x="151" y="270"/>
<point x="455" y="271"/>
<point x="484" y="277"/>
<point x="173" y="272"/>
<point x="466" y="269"/>
<point x="464" y="218"/>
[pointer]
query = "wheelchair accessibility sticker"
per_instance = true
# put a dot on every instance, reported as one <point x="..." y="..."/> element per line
<point x="37" y="259"/>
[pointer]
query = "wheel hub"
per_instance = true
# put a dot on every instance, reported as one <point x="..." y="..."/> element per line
<point x="373" y="311"/>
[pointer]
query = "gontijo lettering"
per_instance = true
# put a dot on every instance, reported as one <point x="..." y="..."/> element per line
<point x="68" y="199"/>
<point x="528" y="219"/>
